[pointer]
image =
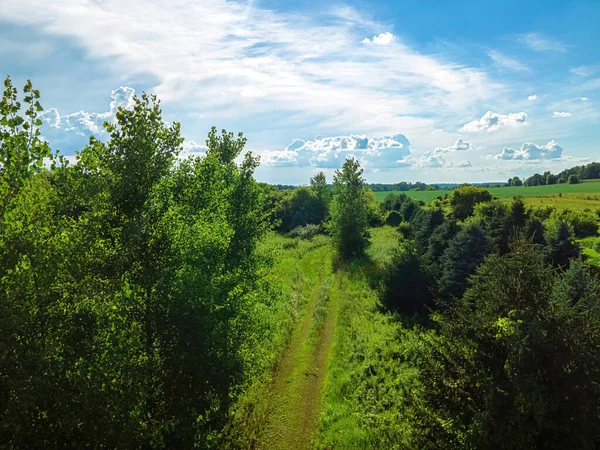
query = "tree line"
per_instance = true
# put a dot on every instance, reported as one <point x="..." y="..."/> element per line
<point x="573" y="175"/>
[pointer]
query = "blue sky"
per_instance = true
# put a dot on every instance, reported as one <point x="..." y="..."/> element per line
<point x="432" y="90"/>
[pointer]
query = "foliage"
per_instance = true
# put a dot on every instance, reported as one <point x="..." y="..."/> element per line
<point x="306" y="232"/>
<point x="133" y="305"/>
<point x="405" y="285"/>
<point x="560" y="247"/>
<point x="466" y="250"/>
<point x="507" y="369"/>
<point x="349" y="213"/>
<point x="573" y="179"/>
<point x="393" y="218"/>
<point x="464" y="199"/>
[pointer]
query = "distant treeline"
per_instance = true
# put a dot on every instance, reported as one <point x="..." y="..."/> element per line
<point x="573" y="176"/>
<point x="402" y="186"/>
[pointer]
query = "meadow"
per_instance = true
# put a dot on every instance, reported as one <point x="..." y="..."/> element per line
<point x="573" y="196"/>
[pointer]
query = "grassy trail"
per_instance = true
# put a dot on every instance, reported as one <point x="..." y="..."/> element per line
<point x="295" y="399"/>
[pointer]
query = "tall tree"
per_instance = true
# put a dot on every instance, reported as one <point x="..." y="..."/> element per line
<point x="349" y="215"/>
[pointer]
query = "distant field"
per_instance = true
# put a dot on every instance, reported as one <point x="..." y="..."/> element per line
<point x="574" y="196"/>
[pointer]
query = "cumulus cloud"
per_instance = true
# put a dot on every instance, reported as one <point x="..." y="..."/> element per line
<point x="541" y="43"/>
<point x="381" y="39"/>
<point x="429" y="159"/>
<point x="531" y="151"/>
<point x="192" y="148"/>
<point x="331" y="152"/>
<point x="583" y="99"/>
<point x="533" y="97"/>
<point x="561" y="114"/>
<point x="85" y="123"/>
<point x="459" y="145"/>
<point x="492" y="121"/>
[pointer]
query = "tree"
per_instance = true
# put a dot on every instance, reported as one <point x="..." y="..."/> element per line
<point x="516" y="181"/>
<point x="22" y="149"/>
<point x="349" y="215"/>
<point x="465" y="252"/>
<point x="560" y="247"/>
<point x="573" y="179"/>
<point x="515" y="362"/>
<point x="562" y="180"/>
<point x="318" y="184"/>
<point x="393" y="218"/>
<point x="405" y="285"/>
<point x="464" y="199"/>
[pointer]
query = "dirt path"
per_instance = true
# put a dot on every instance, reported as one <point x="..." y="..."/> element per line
<point x="296" y="395"/>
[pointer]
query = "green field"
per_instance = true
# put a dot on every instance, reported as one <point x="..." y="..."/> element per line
<point x="573" y="196"/>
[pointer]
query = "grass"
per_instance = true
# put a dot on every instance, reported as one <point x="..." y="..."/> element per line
<point x="301" y="267"/>
<point x="573" y="196"/>
<point x="299" y="404"/>
<point x="366" y="382"/>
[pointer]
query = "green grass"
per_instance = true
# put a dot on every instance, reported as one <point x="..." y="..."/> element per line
<point x="300" y="268"/>
<point x="366" y="381"/>
<point x="573" y="196"/>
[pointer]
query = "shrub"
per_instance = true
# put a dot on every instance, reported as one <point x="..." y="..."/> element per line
<point x="404" y="228"/>
<point x="394" y="218"/>
<point x="464" y="199"/>
<point x="584" y="224"/>
<point x="573" y="179"/>
<point x="562" y="180"/>
<point x="305" y="232"/>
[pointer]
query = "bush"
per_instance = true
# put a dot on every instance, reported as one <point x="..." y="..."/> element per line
<point x="464" y="199"/>
<point x="394" y="218"/>
<point x="562" y="180"/>
<point x="305" y="232"/>
<point x="584" y="224"/>
<point x="404" y="228"/>
<point x="573" y="179"/>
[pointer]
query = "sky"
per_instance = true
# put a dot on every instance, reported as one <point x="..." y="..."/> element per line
<point x="432" y="91"/>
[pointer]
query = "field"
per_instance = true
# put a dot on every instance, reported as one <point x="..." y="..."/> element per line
<point x="573" y="196"/>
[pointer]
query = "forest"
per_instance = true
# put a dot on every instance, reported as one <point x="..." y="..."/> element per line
<point x="152" y="301"/>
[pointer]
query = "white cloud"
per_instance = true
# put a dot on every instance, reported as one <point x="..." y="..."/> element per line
<point x="561" y="114"/>
<point x="331" y="152"/>
<point x="459" y="165"/>
<point x="85" y="123"/>
<point x="459" y="145"/>
<point x="583" y="99"/>
<point x="302" y="68"/>
<point x="252" y="92"/>
<point x="533" y="97"/>
<point x="542" y="43"/>
<point x="531" y="151"/>
<point x="381" y="39"/>
<point x="508" y="63"/>
<point x="492" y="121"/>
<point x="192" y="148"/>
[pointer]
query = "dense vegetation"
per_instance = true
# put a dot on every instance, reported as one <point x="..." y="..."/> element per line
<point x="150" y="301"/>
<point x="133" y="305"/>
